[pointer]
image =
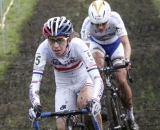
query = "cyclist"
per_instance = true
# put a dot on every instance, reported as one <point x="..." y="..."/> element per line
<point x="105" y="33"/>
<point x="74" y="68"/>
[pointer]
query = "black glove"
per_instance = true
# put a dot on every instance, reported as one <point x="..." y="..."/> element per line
<point x="89" y="107"/>
<point x="35" y="112"/>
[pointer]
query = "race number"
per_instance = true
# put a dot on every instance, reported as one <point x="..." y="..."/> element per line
<point x="39" y="60"/>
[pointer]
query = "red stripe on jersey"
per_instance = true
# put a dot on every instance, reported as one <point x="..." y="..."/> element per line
<point x="69" y="68"/>
<point x="91" y="66"/>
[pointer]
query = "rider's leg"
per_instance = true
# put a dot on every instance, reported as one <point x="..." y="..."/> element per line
<point x="125" y="92"/>
<point x="65" y="102"/>
<point x="84" y="96"/>
<point x="126" y="97"/>
<point x="99" y="59"/>
<point x="98" y="53"/>
<point x="61" y="123"/>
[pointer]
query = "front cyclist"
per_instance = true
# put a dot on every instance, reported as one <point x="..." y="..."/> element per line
<point x="105" y="33"/>
<point x="74" y="68"/>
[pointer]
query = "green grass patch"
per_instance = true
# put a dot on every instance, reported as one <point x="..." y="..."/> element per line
<point x="157" y="5"/>
<point x="10" y="36"/>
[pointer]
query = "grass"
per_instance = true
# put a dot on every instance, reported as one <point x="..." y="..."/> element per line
<point x="157" y="5"/>
<point x="10" y="36"/>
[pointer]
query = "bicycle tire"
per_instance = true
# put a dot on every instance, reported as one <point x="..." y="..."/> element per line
<point x="115" y="112"/>
<point x="118" y="112"/>
<point x="109" y="109"/>
<point x="69" y="124"/>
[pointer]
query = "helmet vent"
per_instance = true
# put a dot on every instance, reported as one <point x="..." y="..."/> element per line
<point x="92" y="15"/>
<point x="104" y="13"/>
<point x="58" y="26"/>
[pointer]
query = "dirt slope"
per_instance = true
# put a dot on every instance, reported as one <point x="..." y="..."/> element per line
<point x="143" y="27"/>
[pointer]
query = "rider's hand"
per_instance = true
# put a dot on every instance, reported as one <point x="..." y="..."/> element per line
<point x="35" y="112"/>
<point x="94" y="107"/>
<point x="130" y="66"/>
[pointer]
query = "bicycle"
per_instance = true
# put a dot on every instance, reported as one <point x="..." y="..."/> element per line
<point x="70" y="124"/>
<point x="116" y="114"/>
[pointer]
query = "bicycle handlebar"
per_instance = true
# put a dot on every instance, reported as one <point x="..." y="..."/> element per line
<point x="64" y="113"/>
<point x="115" y="68"/>
<point x="112" y="69"/>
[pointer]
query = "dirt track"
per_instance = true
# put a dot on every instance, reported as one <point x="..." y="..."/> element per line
<point x="14" y="90"/>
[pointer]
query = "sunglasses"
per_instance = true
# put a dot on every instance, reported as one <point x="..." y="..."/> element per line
<point x="59" y="40"/>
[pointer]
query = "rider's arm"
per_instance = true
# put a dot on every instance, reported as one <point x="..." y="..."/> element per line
<point x="91" y="67"/>
<point x="122" y="34"/>
<point x="85" y="32"/>
<point x="38" y="68"/>
<point x="94" y="74"/>
<point x="127" y="47"/>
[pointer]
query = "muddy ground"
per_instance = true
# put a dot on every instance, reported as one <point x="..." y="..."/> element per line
<point x="143" y="26"/>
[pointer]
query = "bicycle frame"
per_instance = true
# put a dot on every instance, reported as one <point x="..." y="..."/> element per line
<point x="69" y="119"/>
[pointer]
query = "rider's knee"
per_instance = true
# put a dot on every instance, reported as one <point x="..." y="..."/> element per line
<point x="61" y="123"/>
<point x="122" y="81"/>
<point x="99" y="62"/>
<point x="84" y="96"/>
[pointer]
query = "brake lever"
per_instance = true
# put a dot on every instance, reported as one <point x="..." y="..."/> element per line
<point x="129" y="77"/>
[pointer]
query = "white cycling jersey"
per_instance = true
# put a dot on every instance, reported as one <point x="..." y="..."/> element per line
<point x="115" y="29"/>
<point x="73" y="70"/>
<point x="108" y="41"/>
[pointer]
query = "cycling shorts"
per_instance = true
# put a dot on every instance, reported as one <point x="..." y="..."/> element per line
<point x="114" y="50"/>
<point x="66" y="94"/>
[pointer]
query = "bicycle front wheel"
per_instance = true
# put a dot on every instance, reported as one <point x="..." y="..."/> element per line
<point x="69" y="124"/>
<point x="118" y="113"/>
<point x="110" y="119"/>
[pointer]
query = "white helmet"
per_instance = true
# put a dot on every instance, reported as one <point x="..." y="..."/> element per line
<point x="99" y="12"/>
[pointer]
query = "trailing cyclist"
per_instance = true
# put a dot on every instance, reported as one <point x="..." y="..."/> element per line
<point x="74" y="68"/>
<point x="105" y="33"/>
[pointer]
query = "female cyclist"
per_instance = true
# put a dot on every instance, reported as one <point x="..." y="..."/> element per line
<point x="74" y="68"/>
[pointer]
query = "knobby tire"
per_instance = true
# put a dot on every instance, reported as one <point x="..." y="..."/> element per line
<point x="117" y="111"/>
<point x="109" y="109"/>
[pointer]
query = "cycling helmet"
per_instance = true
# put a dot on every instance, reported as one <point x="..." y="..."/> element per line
<point x="99" y="12"/>
<point x="57" y="26"/>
